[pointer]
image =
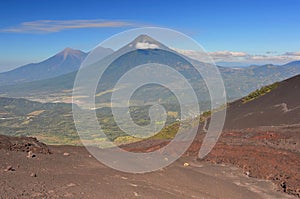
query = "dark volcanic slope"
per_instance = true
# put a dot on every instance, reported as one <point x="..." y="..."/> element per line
<point x="279" y="107"/>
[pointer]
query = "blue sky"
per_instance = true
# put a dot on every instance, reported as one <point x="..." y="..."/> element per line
<point x="243" y="32"/>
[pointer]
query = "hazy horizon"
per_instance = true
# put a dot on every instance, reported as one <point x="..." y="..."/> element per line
<point x="234" y="32"/>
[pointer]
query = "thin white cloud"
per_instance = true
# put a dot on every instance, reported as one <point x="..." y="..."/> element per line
<point x="297" y="54"/>
<point x="242" y="57"/>
<point x="224" y="54"/>
<point x="48" y="26"/>
<point x="215" y="56"/>
<point x="145" y="45"/>
<point x="271" y="52"/>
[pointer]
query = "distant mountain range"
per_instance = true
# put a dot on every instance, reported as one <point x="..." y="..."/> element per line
<point x="55" y="76"/>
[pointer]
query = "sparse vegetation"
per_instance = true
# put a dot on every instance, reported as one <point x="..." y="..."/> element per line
<point x="260" y="92"/>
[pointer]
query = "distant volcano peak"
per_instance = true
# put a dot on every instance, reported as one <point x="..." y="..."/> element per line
<point x="145" y="38"/>
<point x="144" y="41"/>
<point x="70" y="52"/>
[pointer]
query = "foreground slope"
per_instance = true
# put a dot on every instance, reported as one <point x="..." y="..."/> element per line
<point x="70" y="172"/>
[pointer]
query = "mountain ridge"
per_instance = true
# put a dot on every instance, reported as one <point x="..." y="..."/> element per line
<point x="238" y="83"/>
<point x="61" y="63"/>
<point x="66" y="61"/>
